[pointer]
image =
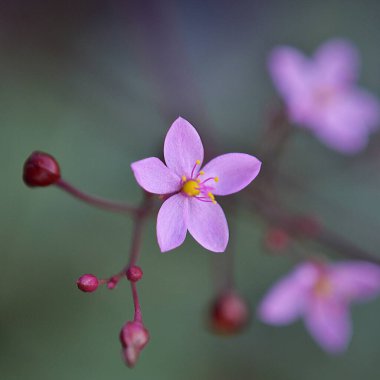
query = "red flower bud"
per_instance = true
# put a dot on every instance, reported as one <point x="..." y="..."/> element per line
<point x="133" y="337"/>
<point x="276" y="239"/>
<point x="112" y="282"/>
<point x="229" y="314"/>
<point x="134" y="273"/>
<point x="41" y="169"/>
<point x="87" y="283"/>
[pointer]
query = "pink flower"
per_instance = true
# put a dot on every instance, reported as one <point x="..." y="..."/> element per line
<point x="191" y="204"/>
<point x="321" y="294"/>
<point x="321" y="94"/>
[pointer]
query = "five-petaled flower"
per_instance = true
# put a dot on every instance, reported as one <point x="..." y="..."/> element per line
<point x="321" y="95"/>
<point x="321" y="294"/>
<point x="191" y="204"/>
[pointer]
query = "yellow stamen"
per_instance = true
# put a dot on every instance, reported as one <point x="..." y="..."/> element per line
<point x="201" y="172"/>
<point x="184" y="178"/>
<point x="216" y="179"/>
<point x="211" y="196"/>
<point x="198" y="180"/>
<point x="191" y="188"/>
<point x="198" y="162"/>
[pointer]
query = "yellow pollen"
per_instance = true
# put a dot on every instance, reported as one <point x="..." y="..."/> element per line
<point x="216" y="179"/>
<point x="183" y="178"/>
<point x="201" y="172"/>
<point x="191" y="188"/>
<point x="198" y="162"/>
<point x="323" y="287"/>
<point x="211" y="196"/>
<point x="198" y="180"/>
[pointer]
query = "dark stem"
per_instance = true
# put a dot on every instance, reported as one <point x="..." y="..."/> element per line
<point x="276" y="215"/>
<point x="224" y="267"/>
<point x="139" y="220"/>
<point x="136" y="239"/>
<point x="96" y="201"/>
<point x="136" y="303"/>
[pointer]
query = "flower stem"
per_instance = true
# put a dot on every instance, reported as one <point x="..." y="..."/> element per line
<point x="139" y="221"/>
<point x="274" y="213"/>
<point x="136" y="303"/>
<point x="136" y="239"/>
<point x="96" y="201"/>
<point x="223" y="266"/>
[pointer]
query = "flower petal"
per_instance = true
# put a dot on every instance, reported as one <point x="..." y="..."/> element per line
<point x="208" y="225"/>
<point x="288" y="67"/>
<point x="338" y="62"/>
<point x="285" y="301"/>
<point x="182" y="148"/>
<point x="171" y="222"/>
<point x="328" y="322"/>
<point x="356" y="280"/>
<point x="153" y="176"/>
<point x="293" y="75"/>
<point x="234" y="171"/>
<point x="346" y="123"/>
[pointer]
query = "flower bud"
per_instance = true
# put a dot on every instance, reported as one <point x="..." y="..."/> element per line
<point x="133" y="337"/>
<point x="88" y="283"/>
<point x="276" y="239"/>
<point x="229" y="314"/>
<point x="112" y="282"/>
<point x="41" y="169"/>
<point x="134" y="273"/>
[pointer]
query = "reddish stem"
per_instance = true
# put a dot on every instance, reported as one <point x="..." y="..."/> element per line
<point x="136" y="303"/>
<point x="139" y="219"/>
<point x="136" y="239"/>
<point x="96" y="201"/>
<point x="275" y="214"/>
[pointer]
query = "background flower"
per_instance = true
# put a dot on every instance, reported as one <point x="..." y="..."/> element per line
<point x="321" y="94"/>
<point x="321" y="294"/>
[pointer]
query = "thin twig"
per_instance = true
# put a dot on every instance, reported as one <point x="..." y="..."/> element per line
<point x="96" y="201"/>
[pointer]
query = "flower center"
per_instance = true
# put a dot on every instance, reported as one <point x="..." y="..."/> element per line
<point x="324" y="95"/>
<point x="195" y="187"/>
<point x="191" y="188"/>
<point x="323" y="287"/>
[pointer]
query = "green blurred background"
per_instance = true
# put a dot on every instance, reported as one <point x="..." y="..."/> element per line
<point x="97" y="84"/>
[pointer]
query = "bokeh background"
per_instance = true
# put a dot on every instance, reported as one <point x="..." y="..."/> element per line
<point x="97" y="84"/>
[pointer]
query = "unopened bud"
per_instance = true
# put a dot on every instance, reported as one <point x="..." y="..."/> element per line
<point x="133" y="337"/>
<point x="41" y="169"/>
<point x="112" y="282"/>
<point x="229" y="314"/>
<point x="134" y="273"/>
<point x="88" y="283"/>
<point x="276" y="239"/>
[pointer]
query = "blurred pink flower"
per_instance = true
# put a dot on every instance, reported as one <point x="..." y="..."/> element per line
<point x="321" y="94"/>
<point x="191" y="204"/>
<point x="321" y="294"/>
